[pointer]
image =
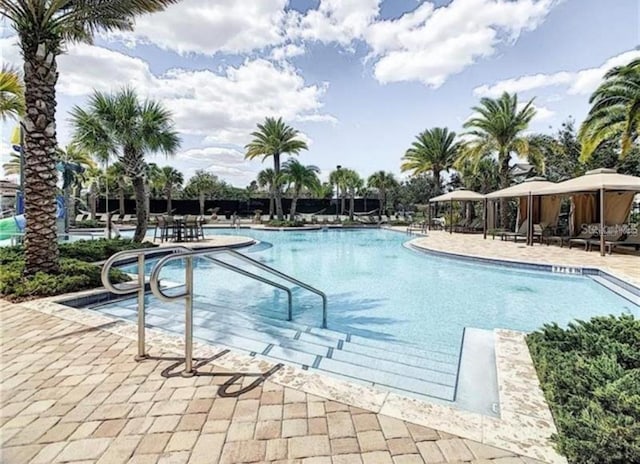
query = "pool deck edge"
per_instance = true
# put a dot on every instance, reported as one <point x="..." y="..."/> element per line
<point x="525" y="432"/>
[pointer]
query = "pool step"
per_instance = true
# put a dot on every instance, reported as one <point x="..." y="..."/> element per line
<point x="387" y="364"/>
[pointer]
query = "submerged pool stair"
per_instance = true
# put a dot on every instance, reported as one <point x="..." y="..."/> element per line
<point x="390" y="364"/>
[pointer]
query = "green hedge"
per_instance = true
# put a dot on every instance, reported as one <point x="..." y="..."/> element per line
<point x="84" y="250"/>
<point x="590" y="374"/>
<point x="285" y="223"/>
<point x="76" y="271"/>
<point x="74" y="276"/>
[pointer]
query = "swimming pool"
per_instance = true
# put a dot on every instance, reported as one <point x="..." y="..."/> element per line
<point x="396" y="316"/>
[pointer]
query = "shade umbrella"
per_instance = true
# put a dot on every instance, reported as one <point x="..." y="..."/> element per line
<point x="458" y="195"/>
<point x="597" y="180"/>
<point x="529" y="188"/>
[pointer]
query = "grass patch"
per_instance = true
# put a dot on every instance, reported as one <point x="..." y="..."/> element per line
<point x="76" y="271"/>
<point x="590" y="375"/>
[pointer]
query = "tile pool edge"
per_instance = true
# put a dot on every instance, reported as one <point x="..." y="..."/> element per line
<point x="616" y="280"/>
<point x="526" y="434"/>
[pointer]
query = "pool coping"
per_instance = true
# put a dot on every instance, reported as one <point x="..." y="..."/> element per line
<point x="554" y="268"/>
<point x="524" y="427"/>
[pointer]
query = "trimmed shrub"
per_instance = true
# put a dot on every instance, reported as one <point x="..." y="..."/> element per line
<point x="285" y="223"/>
<point x="590" y="375"/>
<point x="74" y="276"/>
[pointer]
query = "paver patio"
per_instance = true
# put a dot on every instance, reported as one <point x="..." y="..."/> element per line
<point x="73" y="393"/>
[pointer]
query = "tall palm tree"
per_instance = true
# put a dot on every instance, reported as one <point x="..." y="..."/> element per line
<point x="274" y="138"/>
<point x="203" y="183"/>
<point x="300" y="177"/>
<point x="11" y="94"/>
<point x="353" y="183"/>
<point x="382" y="181"/>
<point x="497" y="128"/>
<point x="339" y="179"/>
<point x="116" y="175"/>
<point x="93" y="177"/>
<point x="267" y="178"/>
<point x="615" y="110"/>
<point x="44" y="29"/>
<point x="434" y="150"/>
<point x="121" y="125"/>
<point x="170" y="178"/>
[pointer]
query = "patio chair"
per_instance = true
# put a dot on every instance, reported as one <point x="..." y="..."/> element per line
<point x="628" y="241"/>
<point x="128" y="219"/>
<point x="583" y="238"/>
<point x="191" y="228"/>
<point x="608" y="237"/>
<point x="521" y="233"/>
<point x="81" y="217"/>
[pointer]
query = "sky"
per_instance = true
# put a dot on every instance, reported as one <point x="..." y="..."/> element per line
<point x="358" y="78"/>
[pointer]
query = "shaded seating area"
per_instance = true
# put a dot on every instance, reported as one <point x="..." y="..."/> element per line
<point x="460" y="195"/>
<point x="601" y="202"/>
<point x="179" y="228"/>
<point x="537" y="214"/>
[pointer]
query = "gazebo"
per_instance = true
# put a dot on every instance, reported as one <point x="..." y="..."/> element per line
<point x="458" y="195"/>
<point x="614" y="193"/>
<point x="548" y="208"/>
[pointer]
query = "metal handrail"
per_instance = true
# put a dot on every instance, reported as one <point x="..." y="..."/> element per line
<point x="139" y="289"/>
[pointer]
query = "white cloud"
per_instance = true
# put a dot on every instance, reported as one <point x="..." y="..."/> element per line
<point x="223" y="106"/>
<point x="582" y="82"/>
<point x="335" y="21"/>
<point x="211" y="26"/>
<point x="430" y="44"/>
<point x="542" y="112"/>
<point x="287" y="51"/>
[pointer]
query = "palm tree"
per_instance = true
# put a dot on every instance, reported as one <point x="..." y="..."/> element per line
<point x="497" y="128"/>
<point x="434" y="150"/>
<point x="94" y="177"/>
<point x="202" y="183"/>
<point x="338" y="179"/>
<point x="116" y="175"/>
<point x="615" y="111"/>
<point x="44" y="29"/>
<point x="11" y="94"/>
<point x="267" y="178"/>
<point x="300" y="177"/>
<point x="169" y="179"/>
<point x="383" y="182"/>
<point x="121" y="125"/>
<point x="274" y="138"/>
<point x="353" y="183"/>
<point x="73" y="155"/>
<point x="12" y="167"/>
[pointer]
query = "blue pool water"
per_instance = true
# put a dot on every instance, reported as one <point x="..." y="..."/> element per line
<point x="378" y="288"/>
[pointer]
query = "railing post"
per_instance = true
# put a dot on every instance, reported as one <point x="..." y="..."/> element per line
<point x="142" y="354"/>
<point x="188" y="319"/>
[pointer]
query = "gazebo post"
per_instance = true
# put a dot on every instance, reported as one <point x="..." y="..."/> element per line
<point x="428" y="215"/>
<point x="485" y="215"/>
<point x="451" y="216"/>
<point x="602" y="222"/>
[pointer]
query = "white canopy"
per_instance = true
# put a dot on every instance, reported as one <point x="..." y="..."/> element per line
<point x="458" y="195"/>
<point x="528" y="187"/>
<point x="598" y="179"/>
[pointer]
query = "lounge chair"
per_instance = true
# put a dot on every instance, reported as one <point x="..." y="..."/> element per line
<point x="608" y="238"/>
<point x="583" y="237"/>
<point x="629" y="240"/>
<point x="521" y="233"/>
<point x="127" y="219"/>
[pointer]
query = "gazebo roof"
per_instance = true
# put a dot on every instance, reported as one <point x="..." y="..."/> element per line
<point x="458" y="195"/>
<point x="529" y="187"/>
<point x="598" y="179"/>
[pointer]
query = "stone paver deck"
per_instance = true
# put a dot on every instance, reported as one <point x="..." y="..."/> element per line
<point x="73" y="393"/>
<point x="624" y="266"/>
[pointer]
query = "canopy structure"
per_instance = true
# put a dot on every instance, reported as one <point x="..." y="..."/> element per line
<point x="459" y="195"/>
<point x="546" y="209"/>
<point x="616" y="191"/>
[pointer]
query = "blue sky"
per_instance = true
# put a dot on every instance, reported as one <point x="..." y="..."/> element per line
<point x="359" y="79"/>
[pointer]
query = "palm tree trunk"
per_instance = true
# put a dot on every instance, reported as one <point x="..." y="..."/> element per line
<point x="278" y="191"/>
<point x="352" y="203"/>
<point x="382" y="202"/>
<point x="121" y="200"/>
<point x="342" y="203"/>
<point x="168" y="201"/>
<point x="92" y="200"/>
<point x="141" y="209"/>
<point x="40" y="177"/>
<point x="504" y="183"/>
<point x="294" y="204"/>
<point x="201" y="199"/>
<point x="271" y="206"/>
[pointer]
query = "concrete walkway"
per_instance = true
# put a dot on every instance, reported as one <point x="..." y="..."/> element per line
<point x="73" y="393"/>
